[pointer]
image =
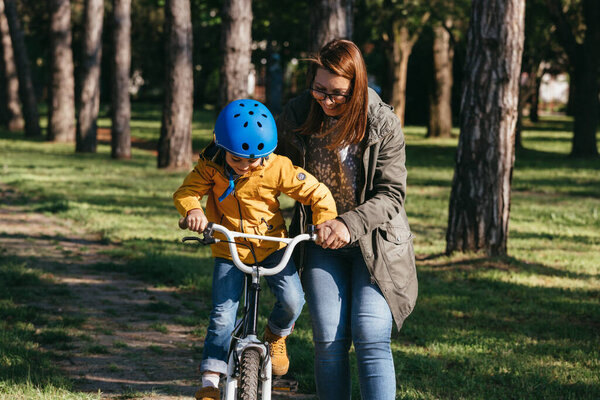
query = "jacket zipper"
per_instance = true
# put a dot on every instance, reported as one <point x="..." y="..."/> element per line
<point x="241" y="218"/>
<point x="301" y="147"/>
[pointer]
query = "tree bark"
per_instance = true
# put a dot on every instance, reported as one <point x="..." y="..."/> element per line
<point x="11" y="106"/>
<point x="480" y="197"/>
<point x="89" y="98"/>
<point x="440" y="100"/>
<point x="330" y="19"/>
<point x="534" y="112"/>
<point x="400" y="44"/>
<point x="61" y="110"/>
<point x="175" y="143"/>
<point x="121" y="106"/>
<point x="236" y="42"/>
<point x="529" y="88"/>
<point x="585" y="64"/>
<point x="400" y="52"/>
<point x="26" y="89"/>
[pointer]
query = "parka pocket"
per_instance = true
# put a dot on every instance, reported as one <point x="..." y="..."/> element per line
<point x="398" y="253"/>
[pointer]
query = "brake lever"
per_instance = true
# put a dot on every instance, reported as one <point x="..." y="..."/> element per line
<point x="208" y="236"/>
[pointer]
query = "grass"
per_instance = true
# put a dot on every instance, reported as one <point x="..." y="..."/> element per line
<point x="25" y="371"/>
<point x="521" y="326"/>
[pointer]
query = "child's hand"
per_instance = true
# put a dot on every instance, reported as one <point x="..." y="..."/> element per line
<point x="196" y="220"/>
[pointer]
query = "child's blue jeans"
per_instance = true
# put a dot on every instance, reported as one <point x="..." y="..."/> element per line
<point x="227" y="285"/>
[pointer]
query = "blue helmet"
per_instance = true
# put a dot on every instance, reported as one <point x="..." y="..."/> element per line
<point x="246" y="128"/>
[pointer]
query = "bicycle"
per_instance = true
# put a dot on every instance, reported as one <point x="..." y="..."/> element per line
<point x="249" y="364"/>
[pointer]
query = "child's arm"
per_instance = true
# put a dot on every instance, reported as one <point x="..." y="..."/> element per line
<point x="187" y="198"/>
<point x="305" y="188"/>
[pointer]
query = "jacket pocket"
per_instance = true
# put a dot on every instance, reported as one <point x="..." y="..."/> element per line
<point x="398" y="253"/>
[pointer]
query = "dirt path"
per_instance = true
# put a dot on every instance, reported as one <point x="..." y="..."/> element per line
<point x="128" y="345"/>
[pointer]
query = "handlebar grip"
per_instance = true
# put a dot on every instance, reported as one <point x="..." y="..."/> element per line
<point x="183" y="223"/>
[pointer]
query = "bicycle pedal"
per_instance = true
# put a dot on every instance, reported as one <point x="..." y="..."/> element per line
<point x="284" y="384"/>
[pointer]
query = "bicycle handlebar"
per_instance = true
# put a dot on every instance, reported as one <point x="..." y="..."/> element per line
<point x="231" y="235"/>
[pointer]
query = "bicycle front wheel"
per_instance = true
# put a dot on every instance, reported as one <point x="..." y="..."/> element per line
<point x="249" y="375"/>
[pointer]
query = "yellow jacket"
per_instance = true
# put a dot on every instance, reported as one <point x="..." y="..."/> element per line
<point x="253" y="206"/>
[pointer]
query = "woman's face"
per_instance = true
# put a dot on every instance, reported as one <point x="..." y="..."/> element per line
<point x="331" y="92"/>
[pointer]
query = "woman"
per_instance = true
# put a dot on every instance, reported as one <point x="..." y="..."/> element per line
<point x="362" y="277"/>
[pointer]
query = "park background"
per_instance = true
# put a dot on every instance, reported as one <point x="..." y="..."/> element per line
<point x="519" y="321"/>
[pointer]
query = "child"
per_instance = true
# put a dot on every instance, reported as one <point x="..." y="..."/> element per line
<point x="242" y="180"/>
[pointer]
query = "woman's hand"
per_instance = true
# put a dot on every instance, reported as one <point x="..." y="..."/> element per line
<point x="332" y="234"/>
<point x="196" y="220"/>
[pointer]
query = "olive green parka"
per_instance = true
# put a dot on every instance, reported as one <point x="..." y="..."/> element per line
<point x="379" y="223"/>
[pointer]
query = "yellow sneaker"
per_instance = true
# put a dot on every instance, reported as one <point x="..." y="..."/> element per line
<point x="208" y="393"/>
<point x="280" y="362"/>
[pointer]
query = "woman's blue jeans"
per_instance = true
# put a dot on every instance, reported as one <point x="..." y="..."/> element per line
<point x="345" y="307"/>
<point x="227" y="285"/>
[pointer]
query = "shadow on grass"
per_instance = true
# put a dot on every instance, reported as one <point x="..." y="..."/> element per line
<point x="22" y="361"/>
<point x="422" y="155"/>
<point x="574" y="239"/>
<point x="475" y="333"/>
<point x="35" y="338"/>
<point x="50" y="238"/>
<point x="479" y="376"/>
<point x="506" y="264"/>
<point x="550" y="124"/>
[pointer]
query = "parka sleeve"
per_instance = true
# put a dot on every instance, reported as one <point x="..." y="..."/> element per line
<point x="195" y="185"/>
<point x="388" y="187"/>
<point x="305" y="188"/>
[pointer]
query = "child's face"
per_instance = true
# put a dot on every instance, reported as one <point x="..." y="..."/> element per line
<point x="241" y="165"/>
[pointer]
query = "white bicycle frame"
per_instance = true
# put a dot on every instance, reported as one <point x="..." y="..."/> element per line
<point x="251" y="340"/>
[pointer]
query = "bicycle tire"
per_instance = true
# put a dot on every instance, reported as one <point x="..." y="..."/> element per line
<point x="249" y="375"/>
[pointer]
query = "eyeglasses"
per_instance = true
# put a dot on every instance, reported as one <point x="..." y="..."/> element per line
<point x="334" y="97"/>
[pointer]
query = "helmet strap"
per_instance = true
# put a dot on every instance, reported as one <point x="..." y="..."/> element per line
<point x="229" y="189"/>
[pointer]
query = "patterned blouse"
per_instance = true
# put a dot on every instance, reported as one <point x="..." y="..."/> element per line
<point x="338" y="169"/>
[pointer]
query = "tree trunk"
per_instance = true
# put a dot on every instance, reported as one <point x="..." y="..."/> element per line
<point x="175" y="143"/>
<point x="585" y="122"/>
<point x="61" y="110"/>
<point x="440" y="100"/>
<point x="480" y="197"/>
<point x="89" y="97"/>
<point x="585" y="64"/>
<point x="529" y="88"/>
<point x="400" y="52"/>
<point x="587" y="88"/>
<point x="534" y="111"/>
<point x="274" y="83"/>
<point x="400" y="44"/>
<point x="236" y="42"/>
<point x="13" y="118"/>
<point x="121" y="107"/>
<point x="330" y="19"/>
<point x="26" y="90"/>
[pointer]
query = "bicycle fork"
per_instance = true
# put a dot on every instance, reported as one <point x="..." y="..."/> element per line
<point x="248" y="340"/>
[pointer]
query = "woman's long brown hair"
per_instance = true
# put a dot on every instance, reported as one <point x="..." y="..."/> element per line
<point x="342" y="58"/>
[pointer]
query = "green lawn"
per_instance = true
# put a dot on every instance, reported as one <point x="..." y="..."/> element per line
<point x="522" y="326"/>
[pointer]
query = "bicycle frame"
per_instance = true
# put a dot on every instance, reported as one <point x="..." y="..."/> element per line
<point x="244" y="335"/>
